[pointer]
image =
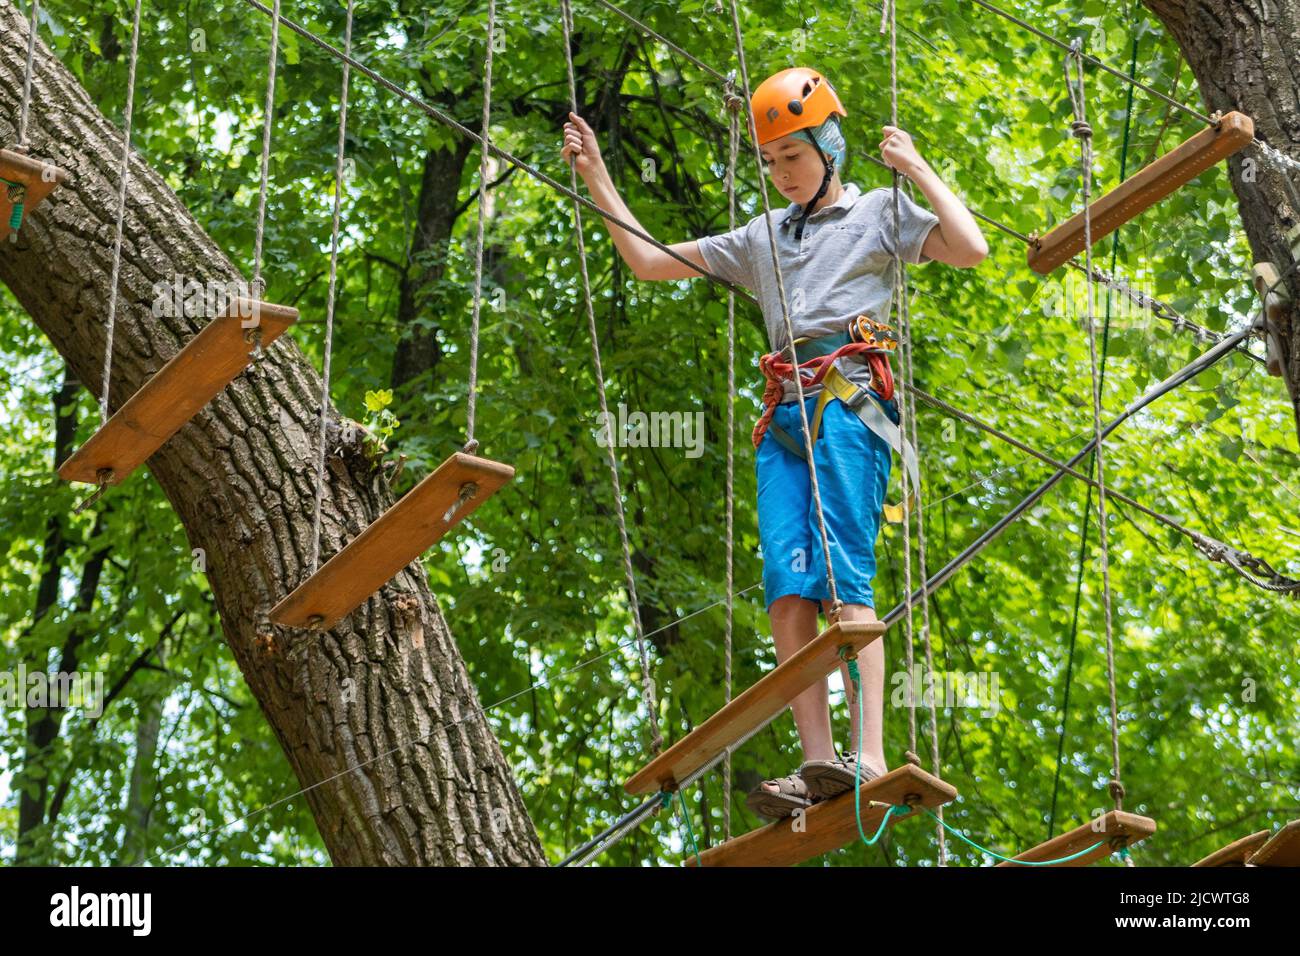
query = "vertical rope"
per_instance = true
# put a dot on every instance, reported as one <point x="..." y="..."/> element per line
<point x="471" y="445"/>
<point x="900" y="277"/>
<point x="1083" y="132"/>
<point x="123" y="178"/>
<point x="908" y="421"/>
<point x="34" y="14"/>
<point x="267" y="119"/>
<point x="835" y="604"/>
<point x="647" y="682"/>
<point x="1087" y="507"/>
<point x="734" y="104"/>
<point x="329" y="302"/>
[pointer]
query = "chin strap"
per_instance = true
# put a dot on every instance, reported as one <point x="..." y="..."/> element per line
<point x="826" y="182"/>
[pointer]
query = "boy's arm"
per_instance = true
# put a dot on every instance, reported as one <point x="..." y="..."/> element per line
<point x="957" y="239"/>
<point x="646" y="260"/>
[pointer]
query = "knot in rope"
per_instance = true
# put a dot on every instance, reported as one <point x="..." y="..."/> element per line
<point x="833" y="615"/>
<point x="1116" y="790"/>
<point x="912" y="758"/>
<point x="103" y="478"/>
<point x="1079" y="127"/>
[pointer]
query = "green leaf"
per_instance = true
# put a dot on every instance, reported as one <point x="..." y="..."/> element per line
<point x="1230" y="448"/>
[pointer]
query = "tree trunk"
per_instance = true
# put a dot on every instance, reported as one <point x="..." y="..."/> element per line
<point x="1242" y="54"/>
<point x="45" y="724"/>
<point x="142" y="792"/>
<point x="377" y="716"/>
<point x="31" y="808"/>
<point x="418" y="351"/>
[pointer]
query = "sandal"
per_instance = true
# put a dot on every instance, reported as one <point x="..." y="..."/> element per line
<point x="792" y="795"/>
<point x="830" y="778"/>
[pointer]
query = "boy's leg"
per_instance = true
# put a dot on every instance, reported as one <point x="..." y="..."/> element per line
<point x="783" y="494"/>
<point x="794" y="624"/>
<point x="871" y="668"/>
<point x="853" y="466"/>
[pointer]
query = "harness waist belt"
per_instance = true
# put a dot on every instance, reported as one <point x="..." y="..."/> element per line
<point x="871" y="411"/>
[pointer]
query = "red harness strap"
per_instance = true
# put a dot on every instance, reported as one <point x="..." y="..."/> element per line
<point x="776" y="369"/>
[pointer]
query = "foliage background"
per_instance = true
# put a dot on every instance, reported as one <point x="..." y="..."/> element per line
<point x="532" y="586"/>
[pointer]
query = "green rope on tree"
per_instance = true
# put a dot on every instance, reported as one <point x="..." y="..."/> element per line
<point x="16" y="216"/>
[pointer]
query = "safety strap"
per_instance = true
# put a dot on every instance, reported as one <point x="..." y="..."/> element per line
<point x="871" y="412"/>
<point x="810" y="347"/>
<point x="17" y="195"/>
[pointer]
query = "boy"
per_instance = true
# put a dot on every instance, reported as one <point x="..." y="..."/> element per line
<point x="836" y="250"/>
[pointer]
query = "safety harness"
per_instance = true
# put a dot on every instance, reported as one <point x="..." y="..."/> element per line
<point x="816" y="362"/>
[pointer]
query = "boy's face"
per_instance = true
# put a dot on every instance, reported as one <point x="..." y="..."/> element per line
<point x="795" y="166"/>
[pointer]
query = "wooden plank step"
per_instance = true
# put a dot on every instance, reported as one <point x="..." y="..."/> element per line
<point x="1115" y="830"/>
<point x="830" y="824"/>
<point x="35" y="180"/>
<point x="393" y="540"/>
<point x="176" y="393"/>
<point x="1282" y="849"/>
<point x="1237" y="852"/>
<point x="753" y="708"/>
<point x="1143" y="190"/>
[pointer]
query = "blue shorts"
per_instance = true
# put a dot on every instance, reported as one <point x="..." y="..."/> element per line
<point x="852" y="474"/>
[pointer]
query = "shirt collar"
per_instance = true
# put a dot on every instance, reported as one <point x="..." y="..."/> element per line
<point x="848" y="196"/>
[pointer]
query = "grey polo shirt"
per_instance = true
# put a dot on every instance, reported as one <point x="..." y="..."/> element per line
<point x="842" y="267"/>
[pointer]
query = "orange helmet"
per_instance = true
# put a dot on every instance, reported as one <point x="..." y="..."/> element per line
<point x="794" y="99"/>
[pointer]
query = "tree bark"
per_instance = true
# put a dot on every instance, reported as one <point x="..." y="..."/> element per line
<point x="377" y="716"/>
<point x="1243" y="55"/>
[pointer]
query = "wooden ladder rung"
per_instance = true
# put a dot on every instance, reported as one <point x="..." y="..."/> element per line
<point x="749" y="711"/>
<point x="1143" y="190"/>
<point x="1237" y="852"/>
<point x="35" y="180"/>
<point x="1114" y="830"/>
<point x="393" y="540"/>
<point x="175" y="393"/>
<point x="1282" y="848"/>
<point x="830" y="824"/>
